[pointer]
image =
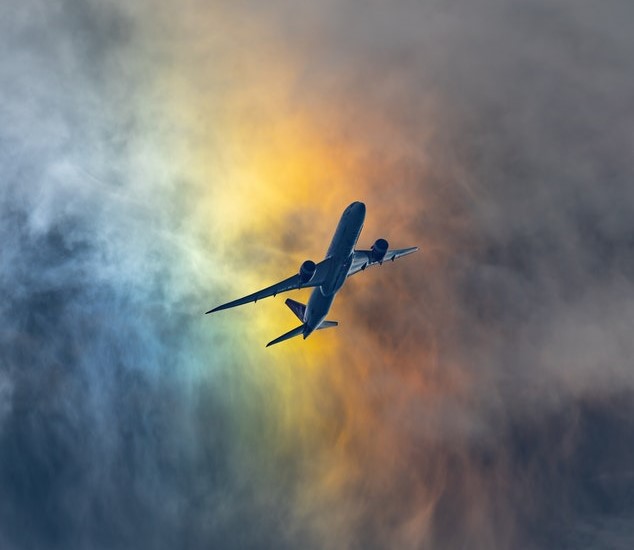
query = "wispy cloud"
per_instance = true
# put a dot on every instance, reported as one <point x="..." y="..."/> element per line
<point x="480" y="393"/>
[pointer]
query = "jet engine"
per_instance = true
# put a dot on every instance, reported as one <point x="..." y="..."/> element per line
<point x="307" y="271"/>
<point x="379" y="249"/>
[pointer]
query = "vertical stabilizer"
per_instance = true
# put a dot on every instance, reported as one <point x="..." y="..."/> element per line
<point x="298" y="309"/>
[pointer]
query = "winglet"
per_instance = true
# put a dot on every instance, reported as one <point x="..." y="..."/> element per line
<point x="219" y="308"/>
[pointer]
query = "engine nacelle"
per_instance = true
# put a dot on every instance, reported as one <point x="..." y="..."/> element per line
<point x="307" y="271"/>
<point x="379" y="249"/>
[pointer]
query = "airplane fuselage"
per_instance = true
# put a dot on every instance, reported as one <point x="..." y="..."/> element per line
<point x="340" y="252"/>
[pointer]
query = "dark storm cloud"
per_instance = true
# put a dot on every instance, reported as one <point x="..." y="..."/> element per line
<point x="514" y="123"/>
<point x="511" y="121"/>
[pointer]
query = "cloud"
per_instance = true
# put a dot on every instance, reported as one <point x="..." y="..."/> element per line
<point x="480" y="393"/>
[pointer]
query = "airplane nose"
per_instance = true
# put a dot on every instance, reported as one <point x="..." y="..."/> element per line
<point x="359" y="207"/>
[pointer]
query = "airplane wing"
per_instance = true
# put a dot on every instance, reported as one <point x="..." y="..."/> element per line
<point x="363" y="258"/>
<point x="292" y="283"/>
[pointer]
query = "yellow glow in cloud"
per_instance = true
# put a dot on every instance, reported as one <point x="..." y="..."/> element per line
<point x="271" y="174"/>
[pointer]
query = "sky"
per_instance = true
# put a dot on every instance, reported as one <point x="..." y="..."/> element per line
<point x="158" y="158"/>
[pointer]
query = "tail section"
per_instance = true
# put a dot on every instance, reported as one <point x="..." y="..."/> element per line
<point x="298" y="309"/>
<point x="290" y="334"/>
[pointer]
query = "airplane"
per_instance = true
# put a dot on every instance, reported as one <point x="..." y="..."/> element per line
<point x="328" y="276"/>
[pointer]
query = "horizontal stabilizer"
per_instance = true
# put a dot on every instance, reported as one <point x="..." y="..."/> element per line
<point x="298" y="309"/>
<point x="290" y="334"/>
<point x="327" y="324"/>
